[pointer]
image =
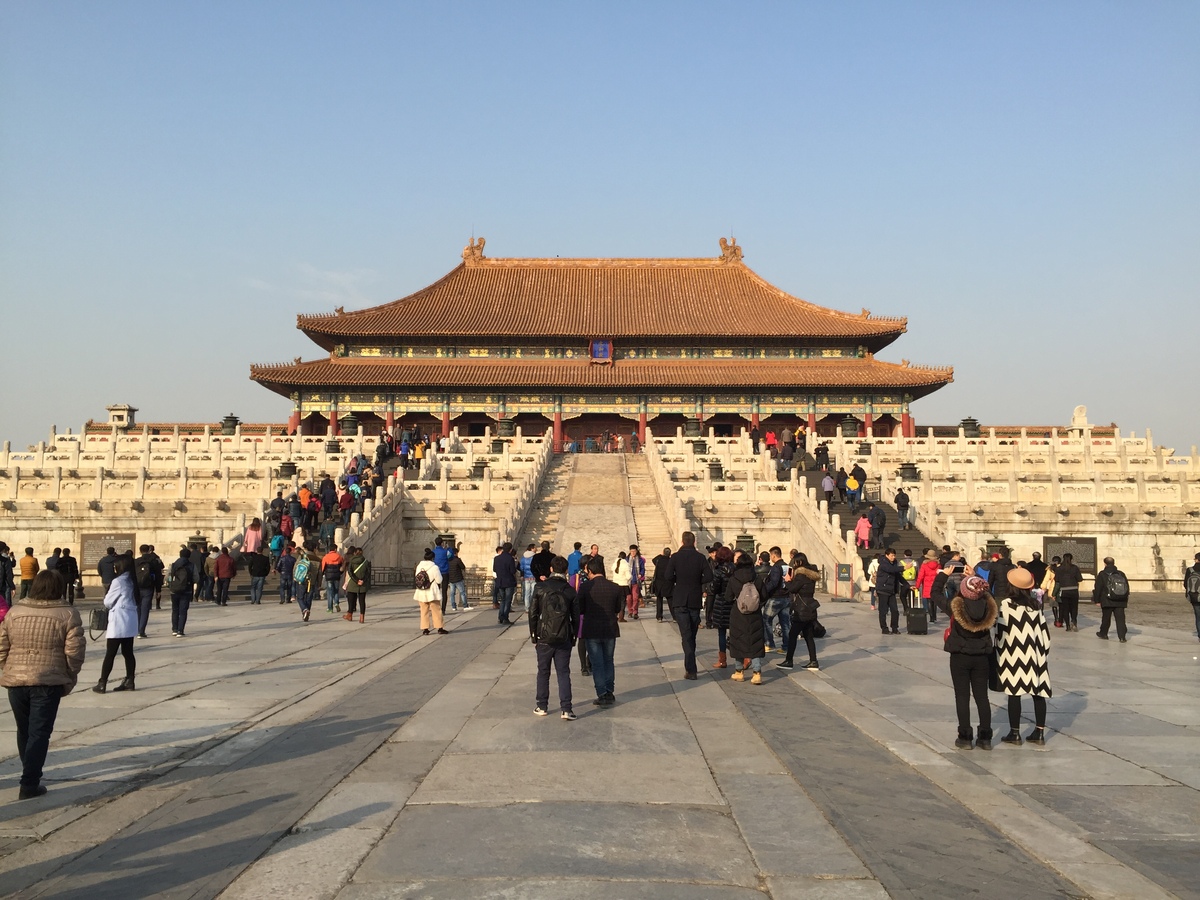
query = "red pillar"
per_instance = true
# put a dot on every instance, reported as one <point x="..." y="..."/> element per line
<point x="906" y="425"/>
<point x="867" y="421"/>
<point x="812" y="423"/>
<point x="389" y="421"/>
<point x="558" y="434"/>
<point x="445" y="422"/>
<point x="334" y="424"/>
<point x="293" y="422"/>
<point x="753" y="420"/>
<point x="642" y="429"/>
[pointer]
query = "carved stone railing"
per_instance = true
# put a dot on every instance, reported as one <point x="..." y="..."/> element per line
<point x="677" y="518"/>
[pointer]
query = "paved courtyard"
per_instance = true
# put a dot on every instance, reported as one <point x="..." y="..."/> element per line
<point x="261" y="757"/>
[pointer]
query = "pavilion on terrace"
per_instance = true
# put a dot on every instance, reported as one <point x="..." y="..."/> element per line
<point x="593" y="345"/>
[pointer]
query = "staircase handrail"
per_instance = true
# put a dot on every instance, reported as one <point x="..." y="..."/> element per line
<point x="677" y="518"/>
<point x="514" y="523"/>
<point x="838" y="547"/>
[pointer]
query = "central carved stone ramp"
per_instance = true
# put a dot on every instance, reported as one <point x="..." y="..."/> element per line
<point x="596" y="509"/>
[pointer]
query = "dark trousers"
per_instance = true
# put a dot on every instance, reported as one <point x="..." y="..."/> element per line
<point x="223" y="591"/>
<point x="506" y="598"/>
<point x="445" y="591"/>
<point x="604" y="672"/>
<point x="35" y="707"/>
<point x="658" y="605"/>
<point x="179" y="610"/>
<point x="969" y="674"/>
<point x="689" y="624"/>
<point x="359" y="600"/>
<point x="806" y="629"/>
<point x="1014" y="712"/>
<point x="888" y="602"/>
<point x="1196" y="613"/>
<point x="1106" y="617"/>
<point x="585" y="664"/>
<point x="144" y="610"/>
<point x="285" y="589"/>
<point x="560" y="655"/>
<point x="125" y="645"/>
<point x="1068" y="606"/>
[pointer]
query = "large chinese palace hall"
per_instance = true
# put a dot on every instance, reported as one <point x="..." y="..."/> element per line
<point x="592" y="345"/>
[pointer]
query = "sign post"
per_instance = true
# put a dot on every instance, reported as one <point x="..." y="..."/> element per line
<point x="845" y="575"/>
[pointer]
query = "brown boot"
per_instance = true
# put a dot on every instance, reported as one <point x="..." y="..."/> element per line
<point x="349" y="617"/>
<point x="721" y="662"/>
<point x="362" y="617"/>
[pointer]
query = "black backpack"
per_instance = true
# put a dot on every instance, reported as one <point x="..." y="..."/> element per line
<point x="143" y="569"/>
<point x="421" y="580"/>
<point x="1116" y="586"/>
<point x="554" y="621"/>
<point x="181" y="579"/>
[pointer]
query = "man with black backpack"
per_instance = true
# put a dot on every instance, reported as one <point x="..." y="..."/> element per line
<point x="1112" y="593"/>
<point x="147" y="571"/>
<point x="1191" y="587"/>
<point x="553" y="627"/>
<point x="179" y="582"/>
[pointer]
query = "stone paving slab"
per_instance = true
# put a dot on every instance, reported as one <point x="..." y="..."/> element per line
<point x="577" y="839"/>
<point x="552" y="889"/>
<point x="481" y="778"/>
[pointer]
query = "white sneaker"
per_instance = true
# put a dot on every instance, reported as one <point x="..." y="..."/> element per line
<point x="467" y="608"/>
<point x="539" y="711"/>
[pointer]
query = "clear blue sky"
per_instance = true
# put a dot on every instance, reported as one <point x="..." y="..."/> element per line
<point x="1022" y="180"/>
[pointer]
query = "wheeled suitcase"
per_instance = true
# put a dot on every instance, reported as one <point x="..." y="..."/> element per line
<point x="916" y="617"/>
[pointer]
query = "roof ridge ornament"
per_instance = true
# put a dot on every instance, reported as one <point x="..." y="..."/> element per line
<point x="473" y="252"/>
<point x="730" y="251"/>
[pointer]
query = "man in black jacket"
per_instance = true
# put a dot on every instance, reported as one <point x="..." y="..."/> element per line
<point x="258" y="565"/>
<point x="1037" y="568"/>
<point x="68" y="568"/>
<point x="539" y="565"/>
<point x="998" y="574"/>
<point x="1111" y="591"/>
<point x="599" y="602"/>
<point x="889" y="583"/>
<point x="660" y="568"/>
<point x="687" y="573"/>
<point x="878" y="518"/>
<point x="180" y="579"/>
<point x="107" y="568"/>
<point x="553" y="626"/>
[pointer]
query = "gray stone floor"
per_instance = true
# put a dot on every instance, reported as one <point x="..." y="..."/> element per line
<point x="264" y="758"/>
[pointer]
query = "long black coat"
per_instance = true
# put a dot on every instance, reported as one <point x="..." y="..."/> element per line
<point x="687" y="573"/>
<point x="746" y="639"/>
<point x="717" y="592"/>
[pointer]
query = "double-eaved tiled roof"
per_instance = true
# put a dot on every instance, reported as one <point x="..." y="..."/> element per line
<point x="712" y="298"/>
<point x="625" y="374"/>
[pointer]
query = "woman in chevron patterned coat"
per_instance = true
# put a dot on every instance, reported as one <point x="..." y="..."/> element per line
<point x="1023" y="651"/>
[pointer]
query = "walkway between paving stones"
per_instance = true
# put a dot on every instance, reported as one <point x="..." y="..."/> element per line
<point x="219" y="817"/>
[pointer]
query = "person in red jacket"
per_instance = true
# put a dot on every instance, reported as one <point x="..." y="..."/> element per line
<point x="224" y="568"/>
<point x="924" y="583"/>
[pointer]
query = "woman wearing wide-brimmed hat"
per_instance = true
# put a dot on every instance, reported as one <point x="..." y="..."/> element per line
<point x="927" y="573"/>
<point x="1023" y="654"/>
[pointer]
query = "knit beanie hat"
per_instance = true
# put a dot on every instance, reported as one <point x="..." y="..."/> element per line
<point x="972" y="587"/>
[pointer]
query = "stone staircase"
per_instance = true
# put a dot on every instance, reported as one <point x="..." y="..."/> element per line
<point x="542" y="523"/>
<point x="653" y="531"/>
<point x="913" y="539"/>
